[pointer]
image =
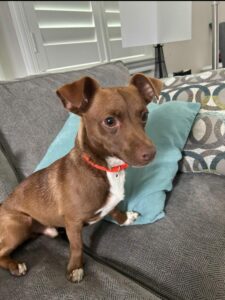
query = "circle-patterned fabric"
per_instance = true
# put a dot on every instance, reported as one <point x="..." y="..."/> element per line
<point x="205" y="147"/>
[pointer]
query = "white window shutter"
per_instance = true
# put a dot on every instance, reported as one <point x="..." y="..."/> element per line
<point x="112" y="22"/>
<point x="71" y="34"/>
<point x="65" y="32"/>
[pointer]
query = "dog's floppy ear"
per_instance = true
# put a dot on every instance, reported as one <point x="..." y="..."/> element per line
<point x="148" y="87"/>
<point x="76" y="96"/>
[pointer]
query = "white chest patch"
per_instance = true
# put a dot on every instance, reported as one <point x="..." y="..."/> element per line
<point x="116" y="191"/>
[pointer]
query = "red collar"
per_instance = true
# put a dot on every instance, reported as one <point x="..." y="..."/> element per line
<point x="115" y="169"/>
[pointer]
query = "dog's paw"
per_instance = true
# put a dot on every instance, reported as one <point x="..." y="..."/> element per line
<point x="76" y="275"/>
<point x="19" y="269"/>
<point x="131" y="217"/>
<point x="50" y="231"/>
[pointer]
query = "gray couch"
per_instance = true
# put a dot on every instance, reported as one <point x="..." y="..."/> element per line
<point x="181" y="256"/>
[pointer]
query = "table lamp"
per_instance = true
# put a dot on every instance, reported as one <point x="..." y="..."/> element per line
<point x="155" y="23"/>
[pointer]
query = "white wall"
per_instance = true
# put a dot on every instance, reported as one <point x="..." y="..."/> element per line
<point x="196" y="53"/>
<point x="11" y="61"/>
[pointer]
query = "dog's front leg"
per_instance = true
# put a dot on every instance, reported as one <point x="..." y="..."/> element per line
<point x="122" y="218"/>
<point x="75" y="272"/>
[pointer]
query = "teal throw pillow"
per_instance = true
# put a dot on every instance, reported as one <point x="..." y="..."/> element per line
<point x="168" y="126"/>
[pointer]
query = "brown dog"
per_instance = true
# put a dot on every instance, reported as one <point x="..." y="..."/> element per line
<point x="86" y="184"/>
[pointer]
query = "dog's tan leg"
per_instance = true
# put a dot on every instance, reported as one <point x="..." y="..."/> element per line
<point x="15" y="228"/>
<point x="75" y="270"/>
<point x="122" y="218"/>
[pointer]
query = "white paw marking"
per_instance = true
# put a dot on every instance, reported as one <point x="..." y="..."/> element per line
<point x="22" y="269"/>
<point x="50" y="231"/>
<point x="131" y="217"/>
<point x="77" y="275"/>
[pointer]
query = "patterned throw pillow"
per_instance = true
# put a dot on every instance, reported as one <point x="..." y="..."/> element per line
<point x="205" y="147"/>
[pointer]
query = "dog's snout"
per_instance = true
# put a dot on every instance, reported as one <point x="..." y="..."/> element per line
<point x="146" y="154"/>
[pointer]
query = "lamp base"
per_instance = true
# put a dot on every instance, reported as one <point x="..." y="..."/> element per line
<point x="160" y="65"/>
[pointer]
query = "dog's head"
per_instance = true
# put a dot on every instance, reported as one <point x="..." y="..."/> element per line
<point x="114" y="118"/>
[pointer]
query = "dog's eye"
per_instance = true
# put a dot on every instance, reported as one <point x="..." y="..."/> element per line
<point x="110" y="122"/>
<point x="144" y="116"/>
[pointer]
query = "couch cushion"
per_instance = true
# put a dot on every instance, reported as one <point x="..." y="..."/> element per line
<point x="8" y="180"/>
<point x="47" y="259"/>
<point x="32" y="114"/>
<point x="181" y="256"/>
<point x="168" y="127"/>
<point x="205" y="149"/>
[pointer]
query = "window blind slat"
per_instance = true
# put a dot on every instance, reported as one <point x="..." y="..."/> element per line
<point x="111" y="5"/>
<point x="53" y="35"/>
<point x="113" y="19"/>
<point x="57" y="19"/>
<point x="71" y="54"/>
<point x="114" y="32"/>
<point x="63" y="5"/>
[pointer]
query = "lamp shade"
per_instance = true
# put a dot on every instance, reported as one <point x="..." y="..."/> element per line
<point x="155" y="22"/>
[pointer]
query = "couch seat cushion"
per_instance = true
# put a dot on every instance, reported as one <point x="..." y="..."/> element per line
<point x="47" y="259"/>
<point x="181" y="256"/>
